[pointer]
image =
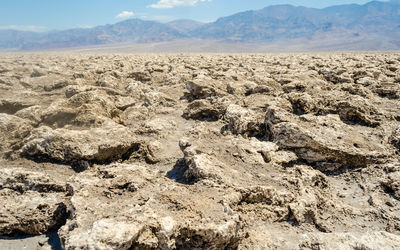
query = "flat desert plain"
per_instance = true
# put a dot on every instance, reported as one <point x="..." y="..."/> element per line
<point x="200" y="151"/>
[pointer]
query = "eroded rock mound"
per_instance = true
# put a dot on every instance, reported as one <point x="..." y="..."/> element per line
<point x="98" y="145"/>
<point x="12" y="130"/>
<point x="132" y="212"/>
<point x="33" y="202"/>
<point x="326" y="139"/>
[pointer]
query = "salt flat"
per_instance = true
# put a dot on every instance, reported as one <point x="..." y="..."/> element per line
<point x="207" y="151"/>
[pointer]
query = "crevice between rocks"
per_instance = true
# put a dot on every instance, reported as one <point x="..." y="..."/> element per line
<point x="59" y="219"/>
<point x="12" y="107"/>
<point x="80" y="165"/>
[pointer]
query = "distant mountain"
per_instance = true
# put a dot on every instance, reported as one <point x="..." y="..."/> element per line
<point x="185" y="25"/>
<point x="287" y="21"/>
<point x="133" y="30"/>
<point x="14" y="39"/>
<point x="372" y="26"/>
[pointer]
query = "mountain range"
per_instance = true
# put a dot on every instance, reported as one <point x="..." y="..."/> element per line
<point x="372" y="26"/>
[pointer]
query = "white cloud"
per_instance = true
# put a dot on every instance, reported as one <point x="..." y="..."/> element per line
<point x="124" y="14"/>
<point x="24" y="28"/>
<point x="167" y="4"/>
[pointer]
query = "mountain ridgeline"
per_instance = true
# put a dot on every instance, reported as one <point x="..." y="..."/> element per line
<point x="372" y="26"/>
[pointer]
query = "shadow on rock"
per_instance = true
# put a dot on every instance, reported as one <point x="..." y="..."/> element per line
<point x="178" y="171"/>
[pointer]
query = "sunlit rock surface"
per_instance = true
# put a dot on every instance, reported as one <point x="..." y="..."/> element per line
<point x="263" y="151"/>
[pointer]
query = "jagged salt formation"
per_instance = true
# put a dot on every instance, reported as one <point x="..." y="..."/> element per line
<point x="202" y="151"/>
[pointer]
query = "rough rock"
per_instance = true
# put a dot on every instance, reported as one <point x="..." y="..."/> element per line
<point x="201" y="88"/>
<point x="245" y="88"/>
<point x="243" y="121"/>
<point x="395" y="138"/>
<point x="33" y="202"/>
<point x="203" y="109"/>
<point x="133" y="205"/>
<point x="12" y="130"/>
<point x="74" y="146"/>
<point x="212" y="151"/>
<point x="392" y="185"/>
<point x="327" y="139"/>
<point x="352" y="240"/>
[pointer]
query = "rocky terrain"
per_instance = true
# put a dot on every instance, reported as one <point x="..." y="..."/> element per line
<point x="240" y="151"/>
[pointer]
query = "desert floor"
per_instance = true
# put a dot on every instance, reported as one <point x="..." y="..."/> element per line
<point x="207" y="151"/>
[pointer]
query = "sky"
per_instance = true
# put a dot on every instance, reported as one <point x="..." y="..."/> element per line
<point x="45" y="15"/>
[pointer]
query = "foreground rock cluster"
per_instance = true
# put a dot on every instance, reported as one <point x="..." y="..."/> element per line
<point x="264" y="151"/>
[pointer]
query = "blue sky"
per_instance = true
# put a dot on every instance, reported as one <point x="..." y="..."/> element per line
<point x="43" y="15"/>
